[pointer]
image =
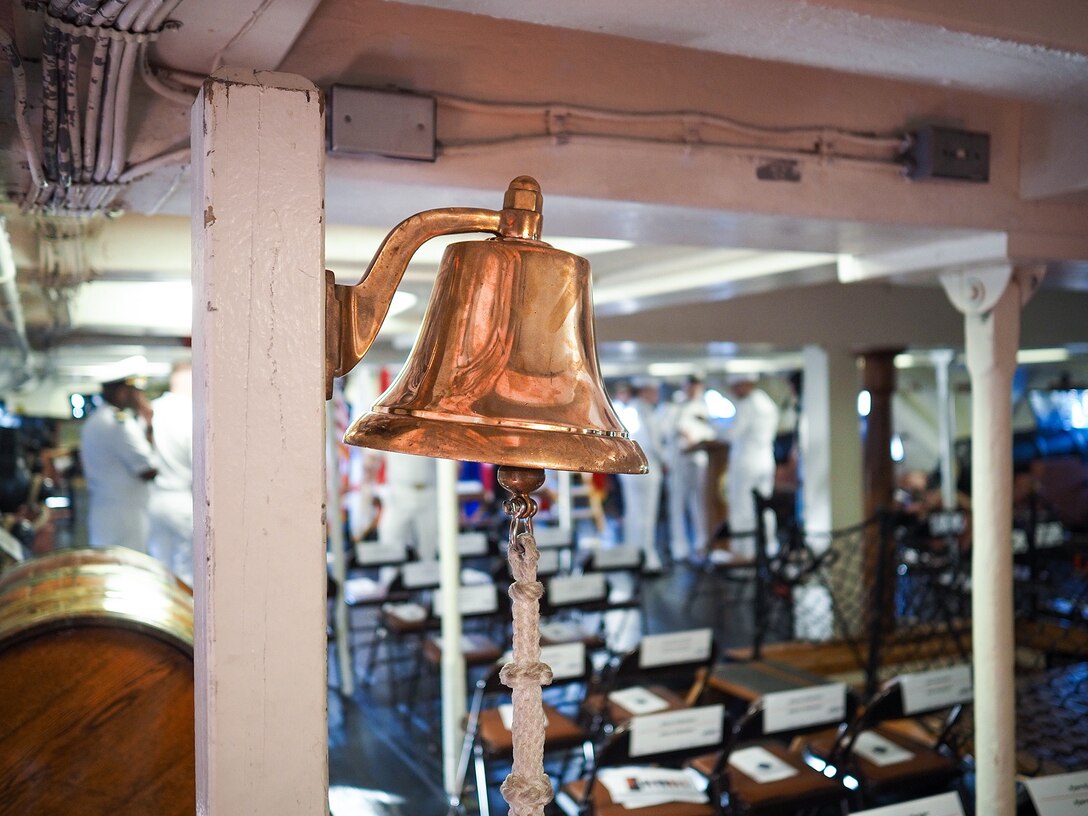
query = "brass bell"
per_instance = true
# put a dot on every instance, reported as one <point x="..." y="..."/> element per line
<point x="505" y="367"/>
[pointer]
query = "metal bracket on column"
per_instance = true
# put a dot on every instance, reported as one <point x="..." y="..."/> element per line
<point x="976" y="289"/>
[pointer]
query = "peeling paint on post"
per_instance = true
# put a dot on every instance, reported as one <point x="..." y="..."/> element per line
<point x="258" y="353"/>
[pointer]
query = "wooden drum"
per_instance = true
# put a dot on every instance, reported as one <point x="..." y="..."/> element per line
<point x="96" y="687"/>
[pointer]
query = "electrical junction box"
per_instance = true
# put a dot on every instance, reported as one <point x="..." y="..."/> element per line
<point x="385" y="123"/>
<point x="946" y="153"/>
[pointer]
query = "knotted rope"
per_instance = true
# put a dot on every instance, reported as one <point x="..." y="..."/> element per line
<point x="527" y="789"/>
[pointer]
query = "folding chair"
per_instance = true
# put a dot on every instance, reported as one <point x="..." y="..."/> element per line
<point x="886" y="752"/>
<point x="669" y="739"/>
<point x="672" y="666"/>
<point x="759" y="773"/>
<point x="488" y="739"/>
<point x="567" y="601"/>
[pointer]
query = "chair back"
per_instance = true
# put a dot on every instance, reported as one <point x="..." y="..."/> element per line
<point x="672" y="659"/>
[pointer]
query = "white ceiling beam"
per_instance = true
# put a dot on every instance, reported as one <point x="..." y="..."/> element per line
<point x="974" y="250"/>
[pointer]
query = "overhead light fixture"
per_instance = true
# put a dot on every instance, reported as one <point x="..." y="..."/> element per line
<point x="505" y="371"/>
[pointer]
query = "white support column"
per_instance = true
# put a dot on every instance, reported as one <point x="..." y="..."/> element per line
<point x="258" y="354"/>
<point x="566" y="501"/>
<point x="453" y="659"/>
<point x="830" y="440"/>
<point x="991" y="300"/>
<point x="946" y="426"/>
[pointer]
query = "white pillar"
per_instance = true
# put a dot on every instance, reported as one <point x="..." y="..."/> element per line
<point x="336" y="545"/>
<point x="453" y="659"/>
<point x="946" y="426"/>
<point x="258" y="354"/>
<point x="991" y="300"/>
<point x="566" y="500"/>
<point x="830" y="440"/>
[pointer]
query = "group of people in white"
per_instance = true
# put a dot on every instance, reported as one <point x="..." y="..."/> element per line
<point x="674" y="431"/>
<point x="674" y="434"/>
<point x="137" y="460"/>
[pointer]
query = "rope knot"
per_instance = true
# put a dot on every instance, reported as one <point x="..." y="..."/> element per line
<point x="527" y="673"/>
<point x="526" y="592"/>
<point x="526" y="794"/>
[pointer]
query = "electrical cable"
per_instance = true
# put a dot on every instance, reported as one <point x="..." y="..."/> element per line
<point x="468" y="146"/>
<point x="34" y="162"/>
<point x="698" y="118"/>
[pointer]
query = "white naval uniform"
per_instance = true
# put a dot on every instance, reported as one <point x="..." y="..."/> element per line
<point x="642" y="494"/>
<point x="410" y="504"/>
<point x="688" y="477"/>
<point x="115" y="451"/>
<point x="751" y="467"/>
<point x="171" y="503"/>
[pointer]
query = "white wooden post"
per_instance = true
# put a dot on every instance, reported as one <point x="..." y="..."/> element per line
<point x="946" y="425"/>
<point x="453" y="658"/>
<point x="830" y="440"/>
<point x="565" y="501"/>
<point x="258" y="351"/>
<point x="991" y="300"/>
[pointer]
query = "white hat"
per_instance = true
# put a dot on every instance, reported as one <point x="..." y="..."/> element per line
<point x="737" y="377"/>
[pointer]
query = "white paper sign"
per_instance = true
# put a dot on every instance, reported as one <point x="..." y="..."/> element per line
<point x="472" y="544"/>
<point x="561" y="632"/>
<point x="551" y="537"/>
<point x="803" y="708"/>
<point x="410" y="612"/>
<point x="676" y="730"/>
<point x="564" y="590"/>
<point x="617" y="558"/>
<point x="1061" y="795"/>
<point x="879" y="750"/>
<point x="548" y="564"/>
<point x="638" y="700"/>
<point x="643" y="786"/>
<point x="362" y="589"/>
<point x="419" y="574"/>
<point x="367" y="554"/>
<point x="946" y="804"/>
<point x="760" y="765"/>
<point x="940" y="688"/>
<point x="479" y="599"/>
<point x="674" y="648"/>
<point x="468" y="643"/>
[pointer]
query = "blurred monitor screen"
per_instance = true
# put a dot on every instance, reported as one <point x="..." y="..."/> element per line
<point x="1060" y="410"/>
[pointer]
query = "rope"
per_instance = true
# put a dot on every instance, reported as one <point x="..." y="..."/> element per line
<point x="527" y="789"/>
<point x="100" y="32"/>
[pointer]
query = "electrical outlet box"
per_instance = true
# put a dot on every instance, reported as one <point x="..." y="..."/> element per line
<point x="398" y="125"/>
<point x="948" y="153"/>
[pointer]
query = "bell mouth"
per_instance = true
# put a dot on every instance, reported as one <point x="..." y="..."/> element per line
<point x="518" y="444"/>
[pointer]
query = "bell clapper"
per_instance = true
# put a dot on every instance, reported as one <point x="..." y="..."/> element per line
<point x="527" y="788"/>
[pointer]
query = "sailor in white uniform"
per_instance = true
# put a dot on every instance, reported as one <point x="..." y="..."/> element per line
<point x="751" y="462"/>
<point x="410" y="504"/>
<point x="642" y="494"/>
<point x="171" y="503"/>
<point x="688" y="464"/>
<point x="118" y="464"/>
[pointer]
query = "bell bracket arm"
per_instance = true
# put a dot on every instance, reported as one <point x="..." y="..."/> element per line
<point x="354" y="314"/>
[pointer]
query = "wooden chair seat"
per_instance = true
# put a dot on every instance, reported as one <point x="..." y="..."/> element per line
<point x="602" y="804"/>
<point x="478" y="650"/>
<point x="808" y="787"/>
<point x="927" y="765"/>
<point x="497" y="740"/>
